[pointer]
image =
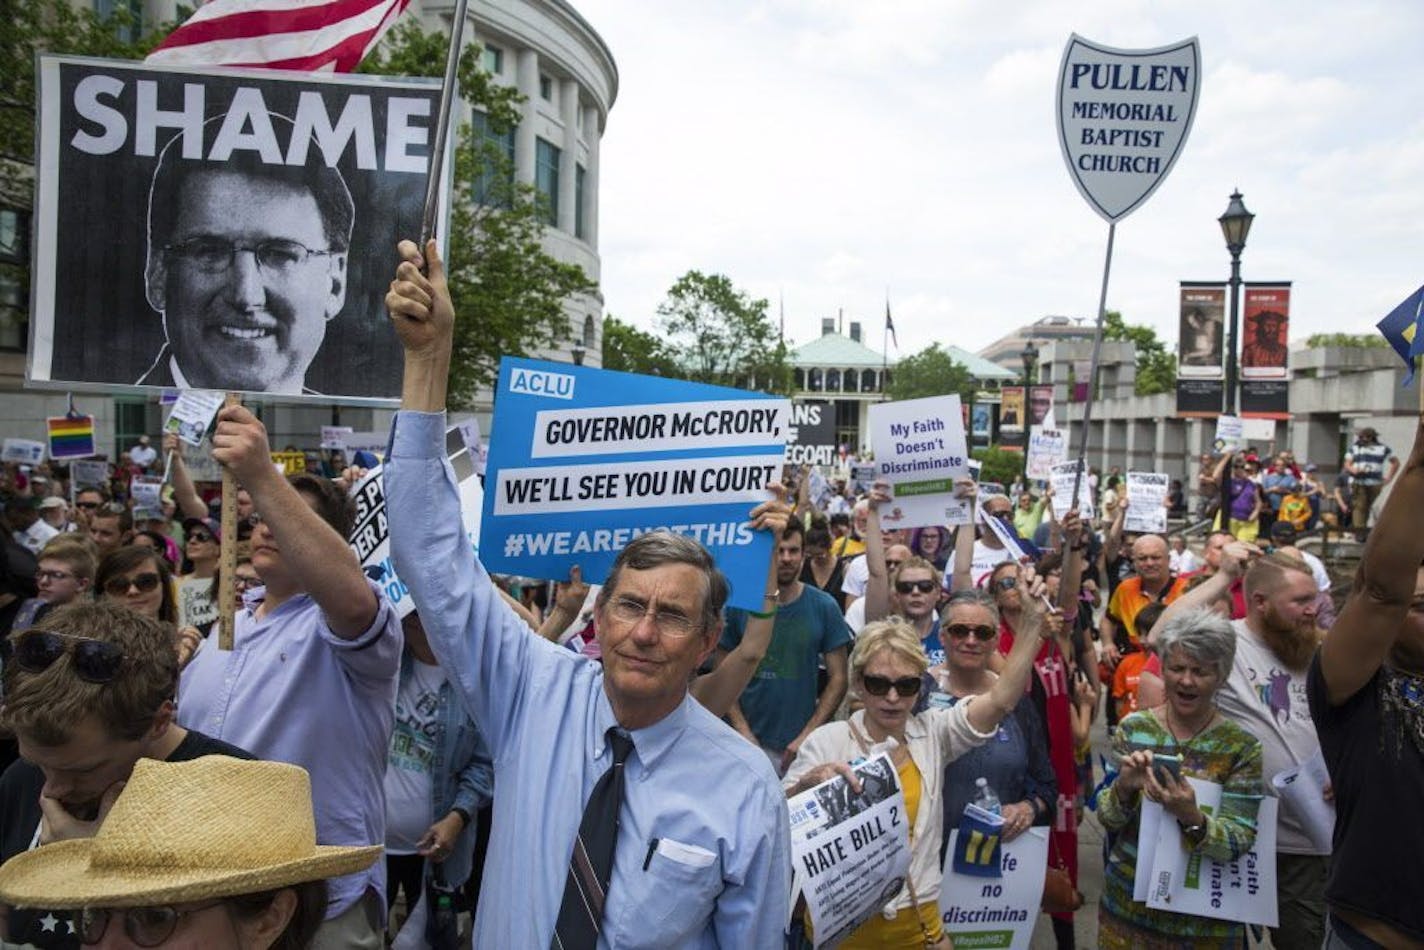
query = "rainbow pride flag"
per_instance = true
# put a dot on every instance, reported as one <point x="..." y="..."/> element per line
<point x="71" y="437"/>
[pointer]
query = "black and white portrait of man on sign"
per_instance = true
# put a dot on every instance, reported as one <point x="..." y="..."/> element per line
<point x="247" y="265"/>
<point x="225" y="230"/>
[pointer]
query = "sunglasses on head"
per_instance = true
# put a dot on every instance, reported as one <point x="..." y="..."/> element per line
<point x="119" y="586"/>
<point x="881" y="685"/>
<point x="981" y="631"/>
<point x="94" y="661"/>
<point x="924" y="587"/>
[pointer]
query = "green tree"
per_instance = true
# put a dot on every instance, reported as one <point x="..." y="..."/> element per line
<point x="1156" y="365"/>
<point x="1348" y="340"/>
<point x="49" y="26"/>
<point x="999" y="465"/>
<point x="510" y="294"/>
<point x="930" y="372"/>
<point x="631" y="350"/>
<point x="721" y="335"/>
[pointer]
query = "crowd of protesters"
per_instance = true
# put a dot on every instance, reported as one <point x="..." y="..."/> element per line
<point x="609" y="766"/>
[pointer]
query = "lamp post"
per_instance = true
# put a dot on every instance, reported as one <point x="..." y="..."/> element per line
<point x="1029" y="355"/>
<point x="1235" y="225"/>
<point x="577" y="351"/>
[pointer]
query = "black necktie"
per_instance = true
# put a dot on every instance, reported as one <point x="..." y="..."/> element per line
<point x="590" y="867"/>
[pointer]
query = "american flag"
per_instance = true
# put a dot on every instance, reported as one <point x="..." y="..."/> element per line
<point x="309" y="35"/>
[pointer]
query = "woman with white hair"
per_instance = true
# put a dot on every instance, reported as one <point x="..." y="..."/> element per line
<point x="1197" y="649"/>
<point x="887" y="668"/>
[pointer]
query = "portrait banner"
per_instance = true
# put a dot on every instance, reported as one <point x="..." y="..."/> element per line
<point x="584" y="460"/>
<point x="1040" y="406"/>
<point x="1201" y="332"/>
<point x="981" y="422"/>
<point x="1011" y="416"/>
<point x="850" y="853"/>
<point x="1123" y="117"/>
<point x="1265" y="319"/>
<point x="228" y="229"/>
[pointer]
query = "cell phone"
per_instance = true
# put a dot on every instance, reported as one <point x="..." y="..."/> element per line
<point x="1163" y="763"/>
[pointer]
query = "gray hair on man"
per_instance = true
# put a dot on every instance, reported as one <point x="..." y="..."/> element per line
<point x="1201" y="635"/>
<point x="656" y="548"/>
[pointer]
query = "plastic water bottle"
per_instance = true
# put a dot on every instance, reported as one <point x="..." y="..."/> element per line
<point x="985" y="798"/>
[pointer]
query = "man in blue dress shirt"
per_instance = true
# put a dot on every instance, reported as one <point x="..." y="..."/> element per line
<point x="702" y="857"/>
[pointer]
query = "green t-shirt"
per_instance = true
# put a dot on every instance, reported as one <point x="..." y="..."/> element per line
<point x="782" y="695"/>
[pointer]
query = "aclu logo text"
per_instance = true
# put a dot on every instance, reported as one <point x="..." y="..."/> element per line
<point x="537" y="383"/>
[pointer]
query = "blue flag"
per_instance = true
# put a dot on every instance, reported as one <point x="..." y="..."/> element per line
<point x="1402" y="328"/>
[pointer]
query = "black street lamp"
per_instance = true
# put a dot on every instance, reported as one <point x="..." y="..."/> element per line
<point x="1235" y="225"/>
<point x="1029" y="355"/>
<point x="577" y="351"/>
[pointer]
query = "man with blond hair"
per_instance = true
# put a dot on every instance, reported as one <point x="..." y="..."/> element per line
<point x="65" y="572"/>
<point x="88" y="692"/>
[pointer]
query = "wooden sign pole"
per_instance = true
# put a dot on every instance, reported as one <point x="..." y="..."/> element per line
<point x="227" y="551"/>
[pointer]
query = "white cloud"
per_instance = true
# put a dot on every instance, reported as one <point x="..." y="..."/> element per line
<point x="823" y="151"/>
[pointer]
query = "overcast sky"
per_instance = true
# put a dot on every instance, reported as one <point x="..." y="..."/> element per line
<point x="824" y="151"/>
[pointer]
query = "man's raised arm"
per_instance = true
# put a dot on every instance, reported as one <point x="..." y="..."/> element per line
<point x="483" y="646"/>
<point x="1384" y="587"/>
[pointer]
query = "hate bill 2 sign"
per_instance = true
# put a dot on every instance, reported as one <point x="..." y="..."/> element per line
<point x="584" y="460"/>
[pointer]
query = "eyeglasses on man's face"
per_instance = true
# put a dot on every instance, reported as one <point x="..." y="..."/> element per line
<point x="214" y="255"/>
<point x="671" y="622"/>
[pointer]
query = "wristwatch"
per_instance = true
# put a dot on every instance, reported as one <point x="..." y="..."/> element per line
<point x="1193" y="833"/>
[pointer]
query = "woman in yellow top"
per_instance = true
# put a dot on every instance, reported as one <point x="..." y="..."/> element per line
<point x="887" y="670"/>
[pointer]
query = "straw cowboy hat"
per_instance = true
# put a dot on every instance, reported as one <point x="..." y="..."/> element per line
<point x="187" y="831"/>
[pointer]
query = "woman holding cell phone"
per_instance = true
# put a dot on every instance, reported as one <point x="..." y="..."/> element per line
<point x="1157" y="749"/>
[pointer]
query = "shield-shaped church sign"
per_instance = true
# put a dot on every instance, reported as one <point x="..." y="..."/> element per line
<point x="1123" y="117"/>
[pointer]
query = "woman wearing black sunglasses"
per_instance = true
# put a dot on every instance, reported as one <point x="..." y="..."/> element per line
<point x="886" y="673"/>
<point x="139" y="578"/>
<point x="1016" y="764"/>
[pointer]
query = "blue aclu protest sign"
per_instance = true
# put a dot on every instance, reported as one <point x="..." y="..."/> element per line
<point x="584" y="460"/>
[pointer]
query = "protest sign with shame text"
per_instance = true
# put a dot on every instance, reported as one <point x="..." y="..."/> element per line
<point x="154" y="183"/>
<point x="584" y="460"/>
